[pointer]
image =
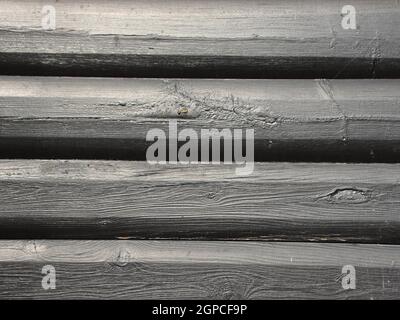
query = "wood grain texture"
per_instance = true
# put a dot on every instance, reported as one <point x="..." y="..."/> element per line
<point x="293" y="120"/>
<point x="197" y="270"/>
<point x="136" y="200"/>
<point x="251" y="39"/>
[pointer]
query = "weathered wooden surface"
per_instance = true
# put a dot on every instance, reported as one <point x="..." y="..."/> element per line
<point x="279" y="201"/>
<point x="201" y="39"/>
<point x="196" y="269"/>
<point x="281" y="209"/>
<point x="300" y="120"/>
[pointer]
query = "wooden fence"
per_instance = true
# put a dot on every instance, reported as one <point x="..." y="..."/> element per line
<point x="83" y="83"/>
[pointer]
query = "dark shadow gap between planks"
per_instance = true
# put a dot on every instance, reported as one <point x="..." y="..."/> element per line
<point x="218" y="67"/>
<point x="265" y="151"/>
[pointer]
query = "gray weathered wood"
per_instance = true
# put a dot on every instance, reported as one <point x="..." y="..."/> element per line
<point x="201" y="38"/>
<point x="197" y="269"/>
<point x="279" y="201"/>
<point x="319" y="120"/>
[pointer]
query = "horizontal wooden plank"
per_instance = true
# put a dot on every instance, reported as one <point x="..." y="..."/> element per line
<point x="135" y="200"/>
<point x="197" y="269"/>
<point x="201" y="38"/>
<point x="300" y="120"/>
